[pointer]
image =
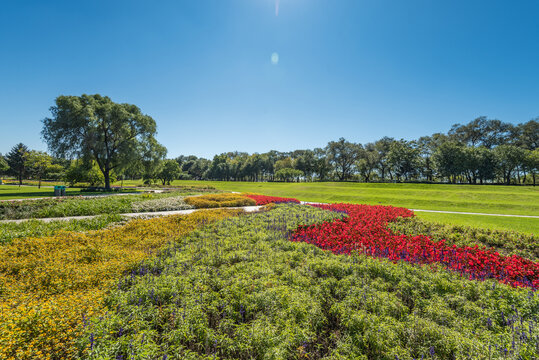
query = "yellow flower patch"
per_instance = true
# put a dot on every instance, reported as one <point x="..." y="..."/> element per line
<point x="219" y="200"/>
<point x="49" y="285"/>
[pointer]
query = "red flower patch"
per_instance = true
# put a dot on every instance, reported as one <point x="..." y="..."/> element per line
<point x="365" y="231"/>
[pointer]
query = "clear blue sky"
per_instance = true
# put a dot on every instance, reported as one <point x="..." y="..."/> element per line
<point x="203" y="68"/>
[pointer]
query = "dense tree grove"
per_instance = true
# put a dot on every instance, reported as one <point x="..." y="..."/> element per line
<point x="481" y="152"/>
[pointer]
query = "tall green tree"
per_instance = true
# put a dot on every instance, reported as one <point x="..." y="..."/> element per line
<point x="4" y="167"/>
<point x="527" y="134"/>
<point x="169" y="171"/>
<point x="449" y="159"/>
<point x="509" y="158"/>
<point x="480" y="163"/>
<point x="151" y="158"/>
<point x="322" y="165"/>
<point x="286" y="163"/>
<point x="95" y="127"/>
<point x="306" y="162"/>
<point x="83" y="172"/>
<point x="531" y="163"/>
<point x="369" y="158"/>
<point x="16" y="160"/>
<point x="343" y="155"/>
<point x="403" y="157"/>
<point x="382" y="147"/>
<point x="288" y="174"/>
<point x="40" y="164"/>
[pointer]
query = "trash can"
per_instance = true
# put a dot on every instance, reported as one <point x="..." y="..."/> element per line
<point x="59" y="190"/>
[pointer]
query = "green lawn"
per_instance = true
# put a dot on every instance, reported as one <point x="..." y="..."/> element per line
<point x="8" y="192"/>
<point x="523" y="225"/>
<point x="466" y="198"/>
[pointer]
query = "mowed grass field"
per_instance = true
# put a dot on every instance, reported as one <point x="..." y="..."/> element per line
<point x="463" y="198"/>
<point x="9" y="192"/>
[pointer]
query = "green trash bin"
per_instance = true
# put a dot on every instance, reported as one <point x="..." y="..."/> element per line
<point x="59" y="190"/>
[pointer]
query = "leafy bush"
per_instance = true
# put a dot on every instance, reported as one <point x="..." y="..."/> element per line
<point x="36" y="228"/>
<point x="239" y="289"/>
<point x="219" y="200"/>
<point x="505" y="242"/>
<point x="49" y="285"/>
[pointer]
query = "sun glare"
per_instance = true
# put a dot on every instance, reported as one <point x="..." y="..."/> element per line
<point x="274" y="58"/>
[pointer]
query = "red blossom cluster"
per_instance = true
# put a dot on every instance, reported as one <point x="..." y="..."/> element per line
<point x="264" y="200"/>
<point x="365" y="230"/>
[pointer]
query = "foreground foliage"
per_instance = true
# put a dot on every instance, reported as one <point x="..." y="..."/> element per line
<point x="239" y="289"/>
<point x="49" y="285"/>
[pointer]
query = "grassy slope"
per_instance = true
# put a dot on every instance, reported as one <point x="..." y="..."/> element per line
<point x="487" y="199"/>
<point x="529" y="226"/>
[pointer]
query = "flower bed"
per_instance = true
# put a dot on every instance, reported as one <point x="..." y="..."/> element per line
<point x="365" y="231"/>
<point x="49" y="285"/>
<point x="264" y="200"/>
<point x="505" y="242"/>
<point x="239" y="289"/>
<point x="161" y="204"/>
<point x="219" y="200"/>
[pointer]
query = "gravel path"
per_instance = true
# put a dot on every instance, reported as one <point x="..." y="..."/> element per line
<point x="133" y="215"/>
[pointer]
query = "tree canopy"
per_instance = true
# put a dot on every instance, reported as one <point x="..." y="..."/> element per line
<point x="16" y="160"/>
<point x="94" y="127"/>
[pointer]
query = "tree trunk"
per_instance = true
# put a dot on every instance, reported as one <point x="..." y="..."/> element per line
<point x="106" y="174"/>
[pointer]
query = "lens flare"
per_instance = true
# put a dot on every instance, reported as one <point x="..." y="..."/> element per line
<point x="276" y="7"/>
<point x="274" y="58"/>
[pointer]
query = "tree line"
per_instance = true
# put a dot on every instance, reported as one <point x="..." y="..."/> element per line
<point x="479" y="152"/>
<point x="96" y="141"/>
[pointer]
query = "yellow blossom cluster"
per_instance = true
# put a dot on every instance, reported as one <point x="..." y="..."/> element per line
<point x="219" y="200"/>
<point x="48" y="286"/>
